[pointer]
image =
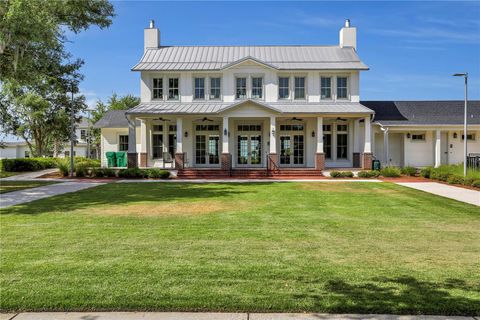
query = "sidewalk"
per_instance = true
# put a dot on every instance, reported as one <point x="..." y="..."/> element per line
<point x="452" y="192"/>
<point x="28" y="195"/>
<point x="29" y="175"/>
<point x="213" y="316"/>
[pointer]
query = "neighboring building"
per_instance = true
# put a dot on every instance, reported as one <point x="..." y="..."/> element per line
<point x="18" y="148"/>
<point x="286" y="107"/>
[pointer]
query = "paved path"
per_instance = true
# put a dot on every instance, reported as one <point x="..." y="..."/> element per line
<point x="246" y="180"/>
<point x="29" y="175"/>
<point x="212" y="316"/>
<point x="452" y="192"/>
<point x="22" y="196"/>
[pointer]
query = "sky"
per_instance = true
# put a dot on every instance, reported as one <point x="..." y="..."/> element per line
<point x="412" y="48"/>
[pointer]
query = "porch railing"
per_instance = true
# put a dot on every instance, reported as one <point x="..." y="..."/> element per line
<point x="473" y="161"/>
<point x="272" y="167"/>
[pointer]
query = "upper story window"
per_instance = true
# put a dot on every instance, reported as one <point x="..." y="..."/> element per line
<point x="241" y="88"/>
<point x="283" y="87"/>
<point x="83" y="134"/>
<point x="199" y="88"/>
<point x="342" y="88"/>
<point x="158" y="88"/>
<point x="257" y="87"/>
<point x="299" y="88"/>
<point x="326" y="87"/>
<point x="215" y="88"/>
<point x="173" y="92"/>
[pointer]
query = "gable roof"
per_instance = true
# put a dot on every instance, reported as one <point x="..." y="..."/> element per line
<point x="423" y="112"/>
<point x="113" y="119"/>
<point x="191" y="58"/>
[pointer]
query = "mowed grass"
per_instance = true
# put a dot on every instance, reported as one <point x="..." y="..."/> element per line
<point x="9" y="186"/>
<point x="320" y="247"/>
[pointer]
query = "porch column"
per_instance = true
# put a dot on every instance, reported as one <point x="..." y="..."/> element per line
<point x="356" y="143"/>
<point x="143" y="143"/>
<point x="386" y="154"/>
<point x="179" y="156"/>
<point x="225" y="158"/>
<point x="438" y="143"/>
<point x="367" y="149"/>
<point x="273" y="141"/>
<point x="132" y="157"/>
<point x="320" y="155"/>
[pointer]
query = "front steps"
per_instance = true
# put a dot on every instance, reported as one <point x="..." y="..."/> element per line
<point x="251" y="173"/>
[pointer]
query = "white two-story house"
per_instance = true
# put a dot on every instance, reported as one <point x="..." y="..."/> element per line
<point x="273" y="107"/>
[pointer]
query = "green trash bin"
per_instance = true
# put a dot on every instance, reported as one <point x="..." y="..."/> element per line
<point x="376" y="165"/>
<point x="111" y="160"/>
<point x="121" y="159"/>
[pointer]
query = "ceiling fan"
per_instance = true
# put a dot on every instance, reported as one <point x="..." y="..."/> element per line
<point x="296" y="119"/>
<point x="204" y="119"/>
<point x="341" y="119"/>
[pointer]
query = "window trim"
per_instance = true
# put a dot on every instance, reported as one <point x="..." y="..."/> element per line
<point x="262" y="87"/>
<point x="162" y="88"/>
<point x="195" y="77"/>
<point x="289" y="96"/>
<point x="331" y="87"/>
<point x="220" y="97"/>
<point x="168" y="87"/>
<point x="119" y="143"/>
<point x="304" y="87"/>
<point x="246" y="86"/>
<point x="336" y="87"/>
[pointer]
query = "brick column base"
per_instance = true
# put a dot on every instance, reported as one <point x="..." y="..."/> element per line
<point x="320" y="161"/>
<point x="179" y="161"/>
<point x="367" y="161"/>
<point x="143" y="159"/>
<point x="225" y="161"/>
<point x="132" y="160"/>
<point x="356" y="160"/>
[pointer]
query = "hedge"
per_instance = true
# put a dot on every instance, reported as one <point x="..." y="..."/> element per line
<point x="27" y="164"/>
<point x="341" y="174"/>
<point x="369" y="174"/>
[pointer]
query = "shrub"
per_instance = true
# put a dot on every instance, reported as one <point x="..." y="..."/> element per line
<point x="91" y="163"/>
<point x="63" y="166"/>
<point x="347" y="174"/>
<point x="368" y="174"/>
<point x="107" y="172"/>
<point x="341" y="174"/>
<point x="335" y="174"/>
<point x="476" y="184"/>
<point x="409" y="171"/>
<point x="439" y="175"/>
<point x="390" y="172"/>
<point x="27" y="164"/>
<point x="158" y="173"/>
<point x="468" y="181"/>
<point x="455" y="179"/>
<point x="103" y="172"/>
<point x="132" y="173"/>
<point x="81" y="170"/>
<point x="426" y="172"/>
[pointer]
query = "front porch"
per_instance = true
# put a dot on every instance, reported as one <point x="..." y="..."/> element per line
<point x="269" y="143"/>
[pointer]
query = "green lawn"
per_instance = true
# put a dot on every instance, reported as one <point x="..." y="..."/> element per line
<point x="325" y="247"/>
<point x="9" y="186"/>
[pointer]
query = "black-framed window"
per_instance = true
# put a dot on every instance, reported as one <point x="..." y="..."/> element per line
<point x="123" y="142"/>
<point x="199" y="88"/>
<point x="283" y="87"/>
<point x="215" y="88"/>
<point x="241" y="88"/>
<point x="326" y="87"/>
<point x="158" y="88"/>
<point x="342" y="88"/>
<point x="83" y="134"/>
<point x="418" y="137"/>
<point x="257" y="87"/>
<point x="173" y="89"/>
<point x="299" y="87"/>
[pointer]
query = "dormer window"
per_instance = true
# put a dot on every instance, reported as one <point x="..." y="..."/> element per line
<point x="299" y="88"/>
<point x="342" y="88"/>
<point x="326" y="87"/>
<point x="257" y="88"/>
<point x="215" y="88"/>
<point x="199" y="88"/>
<point x="173" y="92"/>
<point x="158" y="88"/>
<point x="241" y="88"/>
<point x="283" y="87"/>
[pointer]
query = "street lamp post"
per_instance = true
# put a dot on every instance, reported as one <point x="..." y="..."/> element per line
<point x="465" y="76"/>
<point x="72" y="134"/>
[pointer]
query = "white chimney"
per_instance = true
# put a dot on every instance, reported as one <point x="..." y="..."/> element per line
<point x="151" y="36"/>
<point x="348" y="36"/>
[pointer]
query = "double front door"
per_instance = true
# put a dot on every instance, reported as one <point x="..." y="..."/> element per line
<point x="292" y="150"/>
<point x="207" y="149"/>
<point x="249" y="145"/>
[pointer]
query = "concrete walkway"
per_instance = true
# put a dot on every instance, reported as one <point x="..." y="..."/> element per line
<point x="23" y="196"/>
<point x="452" y="192"/>
<point x="266" y="180"/>
<point x="29" y="175"/>
<point x="212" y="316"/>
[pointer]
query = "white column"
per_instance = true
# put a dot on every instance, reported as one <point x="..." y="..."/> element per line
<point x="368" y="136"/>
<point x="179" y="135"/>
<point x="438" y="142"/>
<point x="273" y="141"/>
<point x="164" y="136"/>
<point x="132" y="137"/>
<point x="225" y="136"/>
<point x="386" y="154"/>
<point x="319" y="134"/>
<point x="143" y="136"/>
<point x="356" y="136"/>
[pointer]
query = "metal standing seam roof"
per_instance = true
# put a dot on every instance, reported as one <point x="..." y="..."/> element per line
<point x="191" y="58"/>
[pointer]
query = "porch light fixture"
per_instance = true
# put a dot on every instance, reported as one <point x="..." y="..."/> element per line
<point x="186" y="134"/>
<point x="455" y="135"/>
<point x="273" y="132"/>
<point x="225" y="132"/>
<point x="313" y="133"/>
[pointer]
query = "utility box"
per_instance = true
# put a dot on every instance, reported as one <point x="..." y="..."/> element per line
<point x="376" y="165"/>
<point x="121" y="159"/>
<point x="111" y="159"/>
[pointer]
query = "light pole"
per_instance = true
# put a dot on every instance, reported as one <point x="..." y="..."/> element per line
<point x="72" y="134"/>
<point x="465" y="76"/>
<point x="385" y="145"/>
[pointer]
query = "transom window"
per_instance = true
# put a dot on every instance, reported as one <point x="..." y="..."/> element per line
<point x="251" y="127"/>
<point x="173" y="89"/>
<point x="291" y="127"/>
<point x="299" y="87"/>
<point x="215" y="88"/>
<point x="241" y="88"/>
<point x="207" y="127"/>
<point x="199" y="88"/>
<point x="157" y="127"/>
<point x="257" y="88"/>
<point x="470" y="136"/>
<point x="326" y="87"/>
<point x="158" y="88"/>
<point x="172" y="127"/>
<point x="123" y="142"/>
<point x="418" y="137"/>
<point x="283" y="87"/>
<point x="342" y="88"/>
